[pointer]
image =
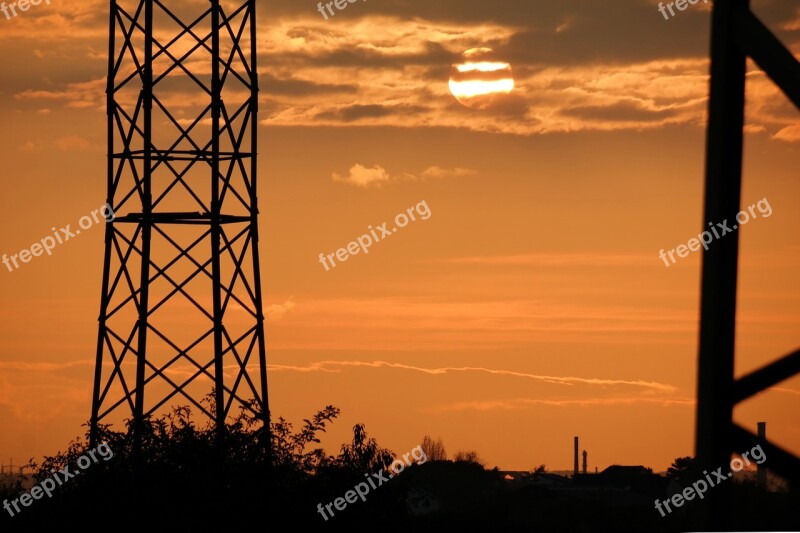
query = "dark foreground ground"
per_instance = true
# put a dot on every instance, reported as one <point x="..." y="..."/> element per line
<point x="182" y="478"/>
<point x="458" y="497"/>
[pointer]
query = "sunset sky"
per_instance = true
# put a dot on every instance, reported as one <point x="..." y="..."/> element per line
<point x="530" y="307"/>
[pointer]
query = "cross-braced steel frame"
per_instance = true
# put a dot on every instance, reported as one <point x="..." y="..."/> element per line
<point x="181" y="306"/>
<point x="736" y="35"/>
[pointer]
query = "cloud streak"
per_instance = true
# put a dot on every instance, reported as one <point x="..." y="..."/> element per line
<point x="554" y="260"/>
<point x="330" y="366"/>
<point x="523" y="403"/>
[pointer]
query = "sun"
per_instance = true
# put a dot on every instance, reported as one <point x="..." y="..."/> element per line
<point x="480" y="78"/>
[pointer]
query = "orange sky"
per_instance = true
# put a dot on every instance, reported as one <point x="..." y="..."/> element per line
<point x="530" y="307"/>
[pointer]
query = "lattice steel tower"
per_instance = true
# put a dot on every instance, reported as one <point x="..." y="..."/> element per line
<point x="181" y="309"/>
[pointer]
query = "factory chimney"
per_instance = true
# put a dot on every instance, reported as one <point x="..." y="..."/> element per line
<point x="585" y="456"/>
<point x="761" y="470"/>
<point x="575" y="473"/>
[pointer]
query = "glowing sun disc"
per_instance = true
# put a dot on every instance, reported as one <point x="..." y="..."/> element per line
<point x="480" y="78"/>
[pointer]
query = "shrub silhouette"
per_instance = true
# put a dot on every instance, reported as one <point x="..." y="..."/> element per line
<point x="191" y="476"/>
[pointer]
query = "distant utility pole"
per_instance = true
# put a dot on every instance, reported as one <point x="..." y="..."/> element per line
<point x="181" y="307"/>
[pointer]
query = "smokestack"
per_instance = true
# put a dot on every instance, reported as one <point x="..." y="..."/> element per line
<point x="575" y="473"/>
<point x="761" y="470"/>
<point x="585" y="456"/>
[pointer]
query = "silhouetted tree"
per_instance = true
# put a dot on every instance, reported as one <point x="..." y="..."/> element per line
<point x="541" y="469"/>
<point x="363" y="454"/>
<point x="684" y="470"/>
<point x="434" y="450"/>
<point x="289" y="450"/>
<point x="468" y="456"/>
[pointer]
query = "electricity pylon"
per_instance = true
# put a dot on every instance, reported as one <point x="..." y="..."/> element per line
<point x="181" y="308"/>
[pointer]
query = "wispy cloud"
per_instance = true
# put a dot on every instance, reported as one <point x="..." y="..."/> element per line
<point x="474" y="323"/>
<point x="439" y="172"/>
<point x="524" y="403"/>
<point x="278" y="311"/>
<point x="42" y="366"/>
<point x="566" y="259"/>
<point x="73" y="143"/>
<point x="330" y="366"/>
<point x="786" y="390"/>
<point x="85" y="94"/>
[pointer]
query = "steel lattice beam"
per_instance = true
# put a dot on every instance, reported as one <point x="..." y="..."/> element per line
<point x="736" y="34"/>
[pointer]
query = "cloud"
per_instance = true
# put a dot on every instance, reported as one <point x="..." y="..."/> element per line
<point x="785" y="390"/>
<point x="439" y="172"/>
<point x="42" y="366"/>
<point x="523" y="403"/>
<point x="277" y="311"/>
<point x="30" y="146"/>
<point x="86" y="94"/>
<point x="552" y="99"/>
<point x="789" y="134"/>
<point x="793" y="24"/>
<point x="574" y="67"/>
<point x="620" y="111"/>
<point x="752" y="129"/>
<point x="38" y="391"/>
<point x="324" y="366"/>
<point x="555" y="260"/>
<point x="297" y="87"/>
<point x="72" y="143"/>
<point x="477" y="323"/>
<point x="362" y="176"/>
<point x="355" y="112"/>
<point x="60" y="21"/>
